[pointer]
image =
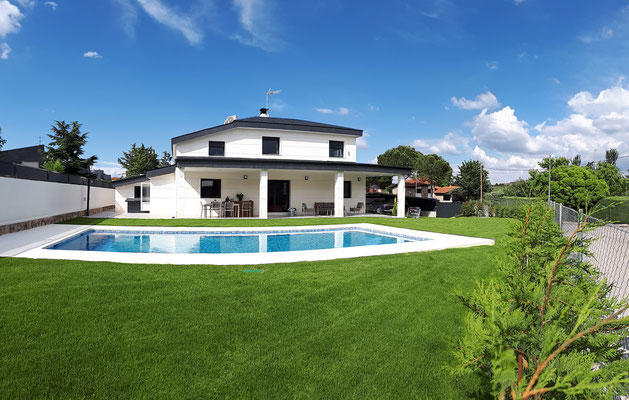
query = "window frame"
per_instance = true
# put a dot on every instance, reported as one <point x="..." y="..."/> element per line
<point x="347" y="189"/>
<point x="341" y="148"/>
<point x="210" y="148"/>
<point x="273" y="138"/>
<point x="201" y="188"/>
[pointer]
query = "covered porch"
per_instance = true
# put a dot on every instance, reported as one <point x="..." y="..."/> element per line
<point x="275" y="187"/>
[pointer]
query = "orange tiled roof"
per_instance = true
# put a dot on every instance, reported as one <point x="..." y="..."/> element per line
<point x="444" y="189"/>
<point x="411" y="181"/>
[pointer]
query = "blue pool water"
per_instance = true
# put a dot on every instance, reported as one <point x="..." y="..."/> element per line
<point x="225" y="242"/>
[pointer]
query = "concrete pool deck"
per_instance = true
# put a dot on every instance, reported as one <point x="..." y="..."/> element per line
<point x="32" y="243"/>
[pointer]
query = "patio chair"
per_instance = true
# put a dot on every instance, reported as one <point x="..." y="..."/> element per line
<point x="305" y="210"/>
<point x="414" y="212"/>
<point x="246" y="210"/>
<point x="215" y="206"/>
<point x="359" y="209"/>
<point x="228" y="208"/>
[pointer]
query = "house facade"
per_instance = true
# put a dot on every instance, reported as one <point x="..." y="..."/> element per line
<point x="418" y="188"/>
<point x="277" y="163"/>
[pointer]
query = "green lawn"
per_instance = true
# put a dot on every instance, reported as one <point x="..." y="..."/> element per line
<point x="375" y="327"/>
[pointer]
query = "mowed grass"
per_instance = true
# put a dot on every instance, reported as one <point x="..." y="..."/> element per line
<point x="374" y="327"/>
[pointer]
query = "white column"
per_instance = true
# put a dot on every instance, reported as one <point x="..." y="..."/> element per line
<point x="263" y="201"/>
<point x="338" y="194"/>
<point x="401" y="196"/>
<point x="179" y="182"/>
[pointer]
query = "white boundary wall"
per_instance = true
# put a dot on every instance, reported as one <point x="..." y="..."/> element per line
<point x="24" y="200"/>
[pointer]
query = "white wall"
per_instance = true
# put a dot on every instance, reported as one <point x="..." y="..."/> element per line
<point x="247" y="143"/>
<point x="318" y="188"/>
<point x="25" y="200"/>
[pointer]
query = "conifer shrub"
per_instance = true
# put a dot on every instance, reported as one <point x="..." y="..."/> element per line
<point x="546" y="326"/>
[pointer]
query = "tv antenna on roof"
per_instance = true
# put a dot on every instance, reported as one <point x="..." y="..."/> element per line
<point x="269" y="93"/>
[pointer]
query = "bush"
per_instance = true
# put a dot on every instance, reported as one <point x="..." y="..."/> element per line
<point x="468" y="209"/>
<point x="546" y="325"/>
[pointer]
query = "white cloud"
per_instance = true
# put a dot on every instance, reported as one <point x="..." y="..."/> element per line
<point x="111" y="168"/>
<point x="340" y="111"/>
<point x="92" y="54"/>
<point x="361" y="142"/>
<point x="128" y="17"/>
<point x="258" y="27"/>
<point x="26" y="3"/>
<point x="606" y="33"/>
<point x="447" y="145"/>
<point x="492" y="65"/>
<point x="518" y="2"/>
<point x="10" y="17"/>
<point x="165" y="15"/>
<point x="52" y="4"/>
<point x="373" y="160"/>
<point x="5" y="49"/>
<point x="483" y="101"/>
<point x="615" y="99"/>
<point x="373" y="108"/>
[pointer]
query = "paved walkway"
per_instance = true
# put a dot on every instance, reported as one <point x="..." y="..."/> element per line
<point x="13" y="244"/>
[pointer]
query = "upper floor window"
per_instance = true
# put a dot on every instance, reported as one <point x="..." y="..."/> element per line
<point x="217" y="148"/>
<point x="270" y="145"/>
<point x="336" y="148"/>
<point x="210" y="188"/>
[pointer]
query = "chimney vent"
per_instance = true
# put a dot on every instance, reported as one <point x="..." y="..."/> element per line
<point x="264" y="112"/>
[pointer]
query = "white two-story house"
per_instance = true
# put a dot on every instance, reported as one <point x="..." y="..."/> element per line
<point x="276" y="163"/>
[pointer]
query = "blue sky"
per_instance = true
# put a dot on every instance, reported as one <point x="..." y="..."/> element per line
<point x="503" y="81"/>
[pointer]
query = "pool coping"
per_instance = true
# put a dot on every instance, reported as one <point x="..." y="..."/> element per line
<point x="436" y="241"/>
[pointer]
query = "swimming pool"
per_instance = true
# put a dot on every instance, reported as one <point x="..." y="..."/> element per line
<point x="231" y="241"/>
<point x="237" y="246"/>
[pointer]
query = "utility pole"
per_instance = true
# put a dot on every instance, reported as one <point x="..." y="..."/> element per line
<point x="481" y="182"/>
<point x="550" y="159"/>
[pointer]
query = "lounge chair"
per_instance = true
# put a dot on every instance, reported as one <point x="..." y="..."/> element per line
<point x="305" y="210"/>
<point x="359" y="209"/>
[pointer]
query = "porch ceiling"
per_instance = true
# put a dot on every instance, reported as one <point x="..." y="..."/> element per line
<point x="304" y="165"/>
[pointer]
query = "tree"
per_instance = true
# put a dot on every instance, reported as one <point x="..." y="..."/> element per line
<point x="54" y="166"/>
<point x="576" y="160"/>
<point x="519" y="188"/>
<point x="469" y="179"/>
<point x="611" y="156"/>
<point x="2" y="141"/>
<point x="66" y="145"/>
<point x="576" y="187"/>
<point x="556" y="162"/>
<point x="165" y="161"/>
<point x="138" y="160"/>
<point x="612" y="176"/>
<point x="434" y="169"/>
<point x="401" y="156"/>
<point x="545" y="326"/>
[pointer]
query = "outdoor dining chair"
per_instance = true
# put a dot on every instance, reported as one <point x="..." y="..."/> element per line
<point x="216" y="206"/>
<point x="246" y="209"/>
<point x="228" y="208"/>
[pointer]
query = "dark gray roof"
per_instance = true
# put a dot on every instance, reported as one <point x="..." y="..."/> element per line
<point x="22" y="154"/>
<point x="144" y="177"/>
<point x="272" y="123"/>
<point x="267" y="163"/>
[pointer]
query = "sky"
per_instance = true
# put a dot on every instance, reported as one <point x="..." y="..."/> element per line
<point x="506" y="82"/>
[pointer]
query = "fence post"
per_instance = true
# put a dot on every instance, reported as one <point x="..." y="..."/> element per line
<point x="561" y="217"/>
<point x="579" y="219"/>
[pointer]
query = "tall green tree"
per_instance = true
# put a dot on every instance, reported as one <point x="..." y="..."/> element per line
<point x="435" y="169"/>
<point x="544" y="325"/>
<point x="469" y="178"/>
<point x="576" y="160"/>
<point x="2" y="141"/>
<point x="519" y="188"/>
<point x="611" y="156"/>
<point x="555" y="162"/>
<point x="138" y="160"/>
<point x="612" y="176"/>
<point x="576" y="187"/>
<point x="166" y="160"/>
<point x="66" y="145"/>
<point x="401" y="156"/>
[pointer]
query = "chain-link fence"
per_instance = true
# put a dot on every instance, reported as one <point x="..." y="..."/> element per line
<point x="610" y="249"/>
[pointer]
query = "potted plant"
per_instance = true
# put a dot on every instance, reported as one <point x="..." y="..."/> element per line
<point x="240" y="196"/>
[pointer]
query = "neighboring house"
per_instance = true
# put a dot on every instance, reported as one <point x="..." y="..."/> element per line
<point x="278" y="163"/>
<point x="421" y="188"/>
<point x="444" y="193"/>
<point x="31" y="156"/>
